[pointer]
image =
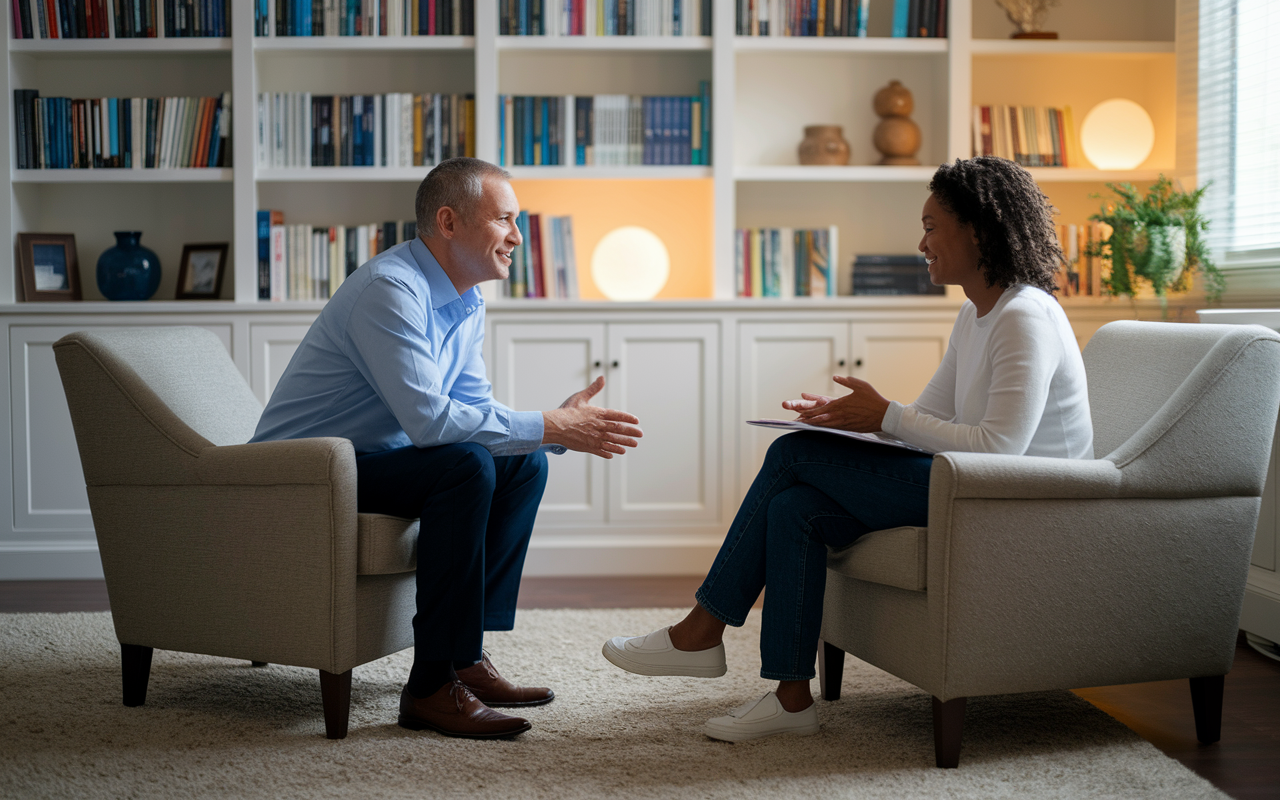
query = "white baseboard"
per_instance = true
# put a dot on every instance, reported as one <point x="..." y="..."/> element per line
<point x="24" y="562"/>
<point x="1261" y="614"/>
<point x="581" y="556"/>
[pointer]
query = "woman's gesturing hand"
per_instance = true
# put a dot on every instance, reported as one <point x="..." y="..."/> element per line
<point x="862" y="410"/>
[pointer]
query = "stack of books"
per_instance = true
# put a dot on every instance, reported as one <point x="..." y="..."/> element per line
<point x="299" y="129"/>
<point x="605" y="130"/>
<point x="1033" y="137"/>
<point x="785" y="262"/>
<point x="545" y="264"/>
<point x="892" y="274"/>
<point x="117" y="19"/>
<point x="604" y="17"/>
<point x="120" y="132"/>
<point x="1082" y="274"/>
<point x="911" y="18"/>
<point x="364" y="17"/>
<point x="307" y="262"/>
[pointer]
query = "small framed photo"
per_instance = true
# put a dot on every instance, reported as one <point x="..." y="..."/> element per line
<point x="200" y="276"/>
<point x="49" y="267"/>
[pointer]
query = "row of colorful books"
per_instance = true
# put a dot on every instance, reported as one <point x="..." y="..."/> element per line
<point x="615" y="129"/>
<point x="117" y="19"/>
<point x="299" y="129"/>
<point x="545" y="264"/>
<point x="803" y="18"/>
<point x="911" y="18"/>
<point x="310" y="262"/>
<point x="1031" y="136"/>
<point x="604" y="17"/>
<point x="785" y="262"/>
<point x="120" y="132"/>
<point x="364" y="17"/>
<point x="875" y="274"/>
<point x="1082" y="274"/>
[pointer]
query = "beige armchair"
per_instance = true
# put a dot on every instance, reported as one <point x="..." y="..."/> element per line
<point x="211" y="545"/>
<point x="1038" y="573"/>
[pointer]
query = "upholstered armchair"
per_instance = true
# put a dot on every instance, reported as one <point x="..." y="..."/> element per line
<point x="1037" y="573"/>
<point x="211" y="545"/>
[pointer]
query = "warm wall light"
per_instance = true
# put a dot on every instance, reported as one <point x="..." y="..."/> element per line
<point x="1117" y="134"/>
<point x="630" y="263"/>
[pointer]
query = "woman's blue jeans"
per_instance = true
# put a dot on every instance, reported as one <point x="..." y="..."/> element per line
<point x="815" y="491"/>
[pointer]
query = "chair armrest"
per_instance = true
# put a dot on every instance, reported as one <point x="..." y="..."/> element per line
<point x="289" y="461"/>
<point x="986" y="475"/>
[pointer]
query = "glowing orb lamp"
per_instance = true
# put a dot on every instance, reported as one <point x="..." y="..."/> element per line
<point x="1117" y="134"/>
<point x="630" y="263"/>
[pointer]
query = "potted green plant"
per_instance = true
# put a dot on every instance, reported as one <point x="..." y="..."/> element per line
<point x="1156" y="238"/>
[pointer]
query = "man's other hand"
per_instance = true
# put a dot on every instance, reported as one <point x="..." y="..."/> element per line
<point x="580" y="426"/>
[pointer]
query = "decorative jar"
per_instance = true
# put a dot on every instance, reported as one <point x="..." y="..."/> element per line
<point x="128" y="271"/>
<point x="824" y="145"/>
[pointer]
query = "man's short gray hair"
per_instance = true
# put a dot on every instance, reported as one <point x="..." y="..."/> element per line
<point x="457" y="183"/>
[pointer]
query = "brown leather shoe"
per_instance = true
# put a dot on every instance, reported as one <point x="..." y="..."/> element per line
<point x="494" y="690"/>
<point x="454" y="711"/>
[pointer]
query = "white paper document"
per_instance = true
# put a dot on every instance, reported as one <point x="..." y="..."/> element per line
<point x="879" y="438"/>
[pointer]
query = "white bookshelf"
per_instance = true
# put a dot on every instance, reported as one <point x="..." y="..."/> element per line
<point x="765" y="90"/>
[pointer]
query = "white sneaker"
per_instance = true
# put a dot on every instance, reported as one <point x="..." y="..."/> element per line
<point x="654" y="654"/>
<point x="760" y="718"/>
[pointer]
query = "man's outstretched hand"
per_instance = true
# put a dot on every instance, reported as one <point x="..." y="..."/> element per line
<point x="580" y="426"/>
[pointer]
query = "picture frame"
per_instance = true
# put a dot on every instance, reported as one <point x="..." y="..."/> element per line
<point x="200" y="275"/>
<point x="49" y="267"/>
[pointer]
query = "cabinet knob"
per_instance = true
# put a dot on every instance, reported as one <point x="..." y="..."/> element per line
<point x="596" y="364"/>
<point x="840" y="363"/>
<point x="858" y="363"/>
<point x="614" y="365"/>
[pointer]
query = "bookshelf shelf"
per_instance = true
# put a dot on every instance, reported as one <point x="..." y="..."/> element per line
<point x="590" y="43"/>
<point x="66" y="47"/>
<point x="863" y="174"/>
<point x="1074" y="175"/>
<point x="1045" y="47"/>
<point x="193" y="175"/>
<point x="297" y="44"/>
<point x="592" y="172"/>
<point x="837" y="44"/>
<point x="341" y="174"/>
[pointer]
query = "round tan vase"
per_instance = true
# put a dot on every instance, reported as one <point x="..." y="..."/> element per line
<point x="897" y="137"/>
<point x="824" y="145"/>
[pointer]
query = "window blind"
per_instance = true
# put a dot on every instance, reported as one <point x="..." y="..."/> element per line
<point x="1239" y="128"/>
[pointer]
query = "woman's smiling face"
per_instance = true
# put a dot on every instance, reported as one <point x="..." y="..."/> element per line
<point x="950" y="247"/>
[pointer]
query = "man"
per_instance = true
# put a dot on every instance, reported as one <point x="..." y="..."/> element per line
<point x="393" y="363"/>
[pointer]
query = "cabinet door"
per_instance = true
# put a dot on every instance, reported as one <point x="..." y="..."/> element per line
<point x="668" y="376"/>
<point x="777" y="361"/>
<point x="535" y="367"/>
<point x="897" y="358"/>
<point x="270" y="349"/>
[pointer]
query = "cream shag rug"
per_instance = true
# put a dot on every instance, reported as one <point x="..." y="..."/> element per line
<point x="215" y="727"/>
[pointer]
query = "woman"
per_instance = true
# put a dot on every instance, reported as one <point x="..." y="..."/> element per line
<point x="1012" y="381"/>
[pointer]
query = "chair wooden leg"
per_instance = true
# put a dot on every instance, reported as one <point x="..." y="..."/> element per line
<point x="1206" y="704"/>
<point x="257" y="663"/>
<point x="135" y="672"/>
<point x="335" y="693"/>
<point x="948" y="724"/>
<point x="830" y="670"/>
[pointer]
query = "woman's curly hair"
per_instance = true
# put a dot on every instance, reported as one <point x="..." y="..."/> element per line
<point x="1011" y="217"/>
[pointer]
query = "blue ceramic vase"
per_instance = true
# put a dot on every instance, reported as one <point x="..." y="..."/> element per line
<point x="128" y="271"/>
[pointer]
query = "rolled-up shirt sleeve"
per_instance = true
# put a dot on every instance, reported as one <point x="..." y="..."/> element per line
<point x="408" y="361"/>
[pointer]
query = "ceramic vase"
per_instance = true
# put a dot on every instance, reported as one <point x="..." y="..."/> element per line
<point x="128" y="271"/>
<point x="824" y="145"/>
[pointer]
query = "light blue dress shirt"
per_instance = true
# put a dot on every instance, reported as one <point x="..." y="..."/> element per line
<point x="394" y="359"/>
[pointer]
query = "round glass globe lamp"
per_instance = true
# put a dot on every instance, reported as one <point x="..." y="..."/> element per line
<point x="630" y="263"/>
<point x="1117" y="134"/>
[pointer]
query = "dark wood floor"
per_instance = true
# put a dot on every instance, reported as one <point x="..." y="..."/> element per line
<point x="1245" y="764"/>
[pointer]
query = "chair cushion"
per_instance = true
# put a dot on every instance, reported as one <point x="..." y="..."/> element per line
<point x="893" y="557"/>
<point x="385" y="544"/>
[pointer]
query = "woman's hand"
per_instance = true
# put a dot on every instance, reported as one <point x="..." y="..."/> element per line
<point x="862" y="410"/>
<point x="806" y="402"/>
